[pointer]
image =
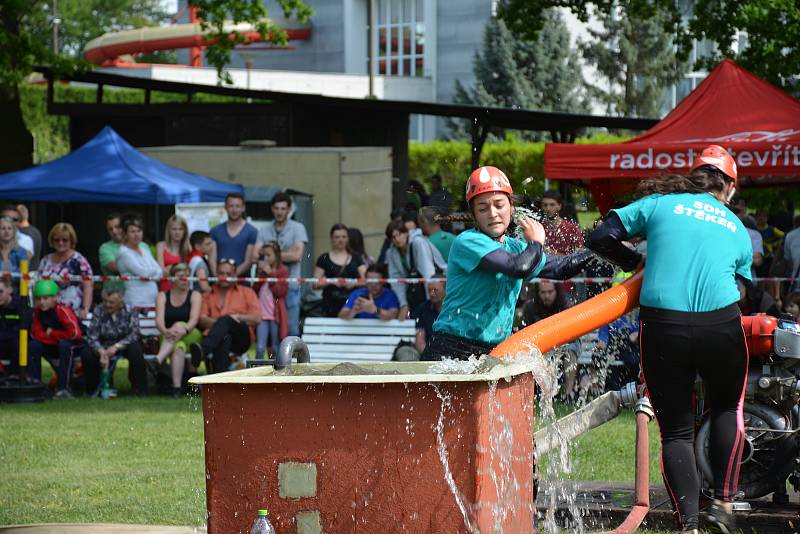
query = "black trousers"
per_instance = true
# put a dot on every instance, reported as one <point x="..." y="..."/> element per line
<point x="9" y="350"/>
<point x="443" y="345"/>
<point x="136" y="368"/>
<point x="225" y="337"/>
<point x="673" y="354"/>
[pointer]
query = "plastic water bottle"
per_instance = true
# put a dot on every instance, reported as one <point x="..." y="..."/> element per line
<point x="262" y="525"/>
<point x="105" y="386"/>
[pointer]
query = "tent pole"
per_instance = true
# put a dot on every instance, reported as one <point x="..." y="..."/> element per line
<point x="158" y="221"/>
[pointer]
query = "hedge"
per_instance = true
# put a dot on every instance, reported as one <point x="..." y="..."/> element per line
<point x="519" y="159"/>
<point x="51" y="132"/>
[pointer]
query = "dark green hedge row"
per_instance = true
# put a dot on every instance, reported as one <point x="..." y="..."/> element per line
<point x="522" y="161"/>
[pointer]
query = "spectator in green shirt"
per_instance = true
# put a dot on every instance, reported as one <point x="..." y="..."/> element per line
<point x="110" y="249"/>
<point x="433" y="231"/>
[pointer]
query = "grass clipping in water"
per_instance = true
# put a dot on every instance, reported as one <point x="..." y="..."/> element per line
<point x="474" y="365"/>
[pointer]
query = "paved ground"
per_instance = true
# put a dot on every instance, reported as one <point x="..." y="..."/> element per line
<point x="101" y="528"/>
<point x="606" y="505"/>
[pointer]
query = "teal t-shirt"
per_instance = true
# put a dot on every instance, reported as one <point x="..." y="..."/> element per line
<point x="443" y="241"/>
<point x="695" y="247"/>
<point x="479" y="304"/>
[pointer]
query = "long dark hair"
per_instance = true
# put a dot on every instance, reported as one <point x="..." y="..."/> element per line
<point x="356" y="240"/>
<point x="705" y="179"/>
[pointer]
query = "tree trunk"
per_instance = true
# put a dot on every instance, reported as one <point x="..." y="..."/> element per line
<point x="16" y="140"/>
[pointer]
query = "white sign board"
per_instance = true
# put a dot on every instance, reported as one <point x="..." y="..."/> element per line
<point x="202" y="215"/>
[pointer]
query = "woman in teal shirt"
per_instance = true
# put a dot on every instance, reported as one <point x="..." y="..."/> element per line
<point x="486" y="268"/>
<point x="689" y="320"/>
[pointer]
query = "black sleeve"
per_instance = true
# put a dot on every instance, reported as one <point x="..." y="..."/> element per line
<point x="606" y="240"/>
<point x="563" y="267"/>
<point x="514" y="265"/>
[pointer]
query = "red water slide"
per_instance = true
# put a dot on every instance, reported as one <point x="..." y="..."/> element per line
<point x="106" y="49"/>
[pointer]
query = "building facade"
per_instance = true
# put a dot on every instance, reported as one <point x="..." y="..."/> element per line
<point x="416" y="51"/>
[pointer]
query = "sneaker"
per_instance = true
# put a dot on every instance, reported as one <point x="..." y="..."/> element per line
<point x="719" y="519"/>
<point x="196" y="350"/>
<point x="177" y="393"/>
<point x="63" y="394"/>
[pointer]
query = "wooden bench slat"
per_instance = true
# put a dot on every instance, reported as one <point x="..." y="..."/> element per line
<point x="350" y="330"/>
<point x="334" y="340"/>
<point x="334" y="321"/>
<point x="356" y="340"/>
<point x="351" y="349"/>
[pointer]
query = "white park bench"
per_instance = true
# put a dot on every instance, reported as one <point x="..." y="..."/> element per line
<point x="333" y="340"/>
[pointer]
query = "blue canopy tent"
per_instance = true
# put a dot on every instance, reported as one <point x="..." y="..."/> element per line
<point x="108" y="169"/>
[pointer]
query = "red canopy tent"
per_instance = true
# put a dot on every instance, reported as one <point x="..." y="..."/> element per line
<point x="757" y="122"/>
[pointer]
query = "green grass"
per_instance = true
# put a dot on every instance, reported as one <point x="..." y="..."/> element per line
<point x="586" y="219"/>
<point x="607" y="452"/>
<point x="132" y="460"/>
<point x="128" y="460"/>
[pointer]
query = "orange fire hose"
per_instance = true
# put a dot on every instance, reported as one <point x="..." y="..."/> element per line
<point x="571" y="324"/>
<point x="574" y="322"/>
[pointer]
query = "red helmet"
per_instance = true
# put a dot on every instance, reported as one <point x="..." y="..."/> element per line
<point x="719" y="158"/>
<point x="485" y="179"/>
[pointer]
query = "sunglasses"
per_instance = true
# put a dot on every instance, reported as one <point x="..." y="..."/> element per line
<point x="62" y="240"/>
<point x="229" y="261"/>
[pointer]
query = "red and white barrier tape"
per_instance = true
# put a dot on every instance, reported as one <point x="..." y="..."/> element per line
<point x="302" y="280"/>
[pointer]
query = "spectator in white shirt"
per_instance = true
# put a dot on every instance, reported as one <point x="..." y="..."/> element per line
<point x="136" y="260"/>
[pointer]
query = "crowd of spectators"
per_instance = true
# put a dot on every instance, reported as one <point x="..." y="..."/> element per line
<point x="214" y="322"/>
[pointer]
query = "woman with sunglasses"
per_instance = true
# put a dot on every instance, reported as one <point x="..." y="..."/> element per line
<point x="66" y="261"/>
<point x="135" y="259"/>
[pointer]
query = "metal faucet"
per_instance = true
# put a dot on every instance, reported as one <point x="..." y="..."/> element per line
<point x="290" y="347"/>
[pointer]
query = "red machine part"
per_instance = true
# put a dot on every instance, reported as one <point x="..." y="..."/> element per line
<point x="759" y="331"/>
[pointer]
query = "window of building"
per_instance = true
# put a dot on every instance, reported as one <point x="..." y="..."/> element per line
<point x="399" y="43"/>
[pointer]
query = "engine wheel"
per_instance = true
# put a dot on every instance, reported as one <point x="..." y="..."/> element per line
<point x="767" y="458"/>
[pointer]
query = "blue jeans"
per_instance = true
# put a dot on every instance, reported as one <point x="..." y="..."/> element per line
<point x="293" y="310"/>
<point x="61" y="352"/>
<point x="266" y="329"/>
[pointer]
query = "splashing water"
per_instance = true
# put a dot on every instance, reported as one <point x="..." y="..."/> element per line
<point x="551" y="480"/>
<point x="441" y="447"/>
<point x="558" y="466"/>
<point x="520" y="212"/>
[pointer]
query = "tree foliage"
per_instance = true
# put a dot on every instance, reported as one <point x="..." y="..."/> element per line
<point x="26" y="40"/>
<point x="773" y="36"/>
<point x="216" y="13"/>
<point x="26" y="34"/>
<point x="83" y="20"/>
<point x="772" y="27"/>
<point x="542" y="75"/>
<point x="636" y="59"/>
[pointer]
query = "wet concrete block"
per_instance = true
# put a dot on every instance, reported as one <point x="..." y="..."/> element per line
<point x="308" y="522"/>
<point x="296" y="480"/>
